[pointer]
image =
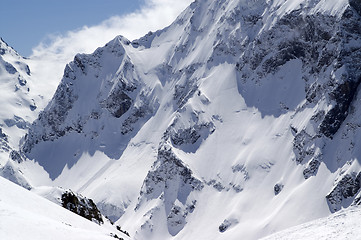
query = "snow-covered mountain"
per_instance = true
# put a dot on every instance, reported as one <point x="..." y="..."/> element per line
<point x="18" y="109"/>
<point x="240" y="119"/>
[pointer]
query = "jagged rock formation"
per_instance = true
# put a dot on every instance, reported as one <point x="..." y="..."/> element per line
<point x="346" y="188"/>
<point x="82" y="206"/>
<point x="172" y="182"/>
<point x="278" y="188"/>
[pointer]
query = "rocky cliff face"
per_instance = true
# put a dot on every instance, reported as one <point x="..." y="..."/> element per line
<point x="81" y="206"/>
<point x="237" y="111"/>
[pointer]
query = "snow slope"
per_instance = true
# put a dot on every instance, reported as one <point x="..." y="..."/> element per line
<point x="341" y="225"/>
<point x="25" y="215"/>
<point x="240" y="119"/>
<point x="19" y="108"/>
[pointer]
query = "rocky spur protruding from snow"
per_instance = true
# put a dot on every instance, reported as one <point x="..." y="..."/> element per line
<point x="16" y="156"/>
<point x="169" y="171"/>
<point x="278" y="188"/>
<point x="82" y="206"/>
<point x="227" y="224"/>
<point x="344" y="191"/>
<point x="308" y="151"/>
<point x="303" y="145"/>
<point x="138" y="115"/>
<point x="311" y="168"/>
<point x="172" y="182"/>
<point x="4" y="142"/>
<point x="188" y="131"/>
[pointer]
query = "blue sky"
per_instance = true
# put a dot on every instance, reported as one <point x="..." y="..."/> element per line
<point x="25" y="23"/>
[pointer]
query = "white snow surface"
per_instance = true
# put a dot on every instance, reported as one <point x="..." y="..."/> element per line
<point x="25" y="215"/>
<point x="341" y="225"/>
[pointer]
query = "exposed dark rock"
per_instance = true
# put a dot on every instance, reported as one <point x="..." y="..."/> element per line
<point x="82" y="206"/>
<point x="176" y="219"/>
<point x="15" y="156"/>
<point x="357" y="201"/>
<point x="346" y="188"/>
<point x="78" y="61"/>
<point x="123" y="231"/>
<point x="349" y="56"/>
<point x="278" y="188"/>
<point x="27" y="70"/>
<point x="118" y="103"/>
<point x="4" y="145"/>
<point x="183" y="92"/>
<point x="3" y="136"/>
<point x="240" y="168"/>
<point x="33" y="107"/>
<point x="116" y="236"/>
<point x="190" y="135"/>
<point x="303" y="146"/>
<point x="216" y="185"/>
<point x="21" y="81"/>
<point x="311" y="169"/>
<point x="343" y="96"/>
<point x="171" y="180"/>
<point x="136" y="115"/>
<point x="356" y="4"/>
<point x="168" y="169"/>
<point x="52" y="120"/>
<point x="227" y="223"/>
<point x="10" y="68"/>
<point x="287" y="51"/>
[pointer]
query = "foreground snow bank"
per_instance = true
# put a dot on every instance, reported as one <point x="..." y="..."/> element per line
<point x="25" y="215"/>
<point x="342" y="225"/>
